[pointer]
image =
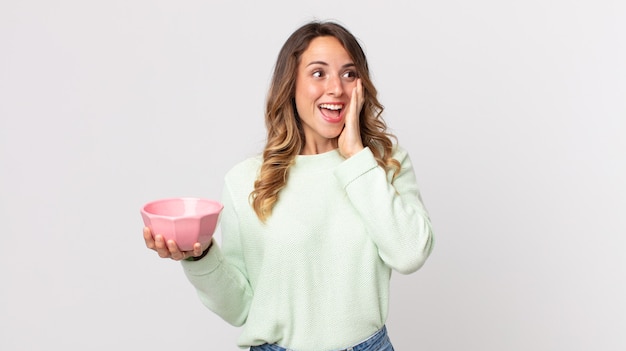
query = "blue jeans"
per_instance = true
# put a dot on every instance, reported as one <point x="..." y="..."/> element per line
<point x="377" y="342"/>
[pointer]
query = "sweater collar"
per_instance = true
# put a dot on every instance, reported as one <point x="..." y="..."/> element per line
<point x="321" y="161"/>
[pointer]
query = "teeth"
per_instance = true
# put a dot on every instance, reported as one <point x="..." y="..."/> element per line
<point x="330" y="107"/>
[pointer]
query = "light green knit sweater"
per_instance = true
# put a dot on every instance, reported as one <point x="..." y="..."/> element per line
<point x="316" y="275"/>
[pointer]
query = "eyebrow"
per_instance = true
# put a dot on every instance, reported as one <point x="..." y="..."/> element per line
<point x="351" y="64"/>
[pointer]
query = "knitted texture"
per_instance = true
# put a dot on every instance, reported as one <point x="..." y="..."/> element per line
<point x="316" y="275"/>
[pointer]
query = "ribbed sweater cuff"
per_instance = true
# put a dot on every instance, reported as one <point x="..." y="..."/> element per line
<point x="355" y="166"/>
<point x="207" y="264"/>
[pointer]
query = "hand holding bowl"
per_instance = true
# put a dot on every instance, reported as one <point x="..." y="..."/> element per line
<point x="185" y="220"/>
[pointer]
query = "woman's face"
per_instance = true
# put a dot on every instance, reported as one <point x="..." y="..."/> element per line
<point x="325" y="79"/>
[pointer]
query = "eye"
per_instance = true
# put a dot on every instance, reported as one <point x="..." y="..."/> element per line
<point x="349" y="75"/>
<point x="318" y="74"/>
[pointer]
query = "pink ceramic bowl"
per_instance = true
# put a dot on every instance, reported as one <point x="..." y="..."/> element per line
<point x="186" y="220"/>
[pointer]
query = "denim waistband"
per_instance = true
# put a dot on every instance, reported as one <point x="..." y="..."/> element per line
<point x="368" y="344"/>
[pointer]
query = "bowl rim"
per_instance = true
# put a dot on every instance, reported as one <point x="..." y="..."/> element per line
<point x="220" y="207"/>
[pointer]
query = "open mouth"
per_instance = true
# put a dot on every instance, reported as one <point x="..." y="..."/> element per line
<point x="331" y="111"/>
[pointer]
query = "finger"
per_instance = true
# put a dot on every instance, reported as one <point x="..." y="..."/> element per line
<point x="356" y="102"/>
<point x="161" y="247"/>
<point x="352" y="111"/>
<point x="360" y="94"/>
<point x="147" y="237"/>
<point x="197" y="249"/>
<point x="175" y="252"/>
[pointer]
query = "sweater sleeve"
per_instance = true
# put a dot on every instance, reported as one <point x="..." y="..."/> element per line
<point x="220" y="277"/>
<point x="393" y="212"/>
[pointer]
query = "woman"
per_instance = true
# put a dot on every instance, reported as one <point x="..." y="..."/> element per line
<point x="312" y="229"/>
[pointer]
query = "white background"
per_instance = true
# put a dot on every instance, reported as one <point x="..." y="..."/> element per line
<point x="514" y="113"/>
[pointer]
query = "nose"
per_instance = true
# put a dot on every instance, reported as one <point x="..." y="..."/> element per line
<point x="334" y="86"/>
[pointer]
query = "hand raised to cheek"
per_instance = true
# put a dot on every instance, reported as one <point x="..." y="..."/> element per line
<point x="350" y="141"/>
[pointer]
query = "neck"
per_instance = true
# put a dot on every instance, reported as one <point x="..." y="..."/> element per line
<point x="319" y="148"/>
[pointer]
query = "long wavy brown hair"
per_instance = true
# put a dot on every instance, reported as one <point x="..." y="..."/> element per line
<point x="285" y="136"/>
